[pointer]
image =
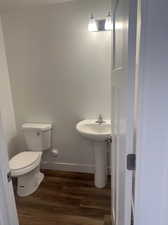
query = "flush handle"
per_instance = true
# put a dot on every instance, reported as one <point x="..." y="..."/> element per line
<point x="38" y="133"/>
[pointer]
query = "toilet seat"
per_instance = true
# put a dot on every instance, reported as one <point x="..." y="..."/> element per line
<point x="24" y="162"/>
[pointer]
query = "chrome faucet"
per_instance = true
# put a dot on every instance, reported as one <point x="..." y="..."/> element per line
<point x="100" y="119"/>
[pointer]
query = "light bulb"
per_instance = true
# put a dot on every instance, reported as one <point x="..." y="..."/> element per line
<point x="108" y="22"/>
<point x="92" y="26"/>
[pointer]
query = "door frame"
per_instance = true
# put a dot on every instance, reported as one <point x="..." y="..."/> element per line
<point x="129" y="148"/>
<point x="8" y="213"/>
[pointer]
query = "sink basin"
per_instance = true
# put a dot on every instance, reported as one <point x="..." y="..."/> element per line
<point x="99" y="134"/>
<point x="94" y="131"/>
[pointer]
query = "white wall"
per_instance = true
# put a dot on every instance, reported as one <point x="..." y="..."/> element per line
<point x="6" y="105"/>
<point x="59" y="73"/>
<point x="152" y="139"/>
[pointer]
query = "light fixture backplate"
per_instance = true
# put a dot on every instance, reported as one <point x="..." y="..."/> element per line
<point x="101" y="25"/>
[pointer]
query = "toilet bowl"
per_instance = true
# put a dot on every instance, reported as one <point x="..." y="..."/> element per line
<point x="25" y="166"/>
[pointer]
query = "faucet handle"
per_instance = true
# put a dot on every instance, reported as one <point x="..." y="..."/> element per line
<point x="100" y="119"/>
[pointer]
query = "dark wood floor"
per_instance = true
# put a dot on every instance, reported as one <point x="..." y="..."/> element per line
<point x="65" y="198"/>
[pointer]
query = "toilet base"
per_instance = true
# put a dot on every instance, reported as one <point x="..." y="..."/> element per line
<point x="29" y="183"/>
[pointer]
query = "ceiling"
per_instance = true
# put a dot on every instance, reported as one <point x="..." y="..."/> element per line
<point x="5" y="4"/>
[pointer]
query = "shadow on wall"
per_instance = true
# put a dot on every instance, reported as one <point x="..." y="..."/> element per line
<point x="12" y="147"/>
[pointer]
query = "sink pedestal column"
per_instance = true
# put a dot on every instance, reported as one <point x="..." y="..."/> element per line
<point x="100" y="152"/>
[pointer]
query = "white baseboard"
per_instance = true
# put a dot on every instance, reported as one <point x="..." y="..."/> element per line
<point x="73" y="167"/>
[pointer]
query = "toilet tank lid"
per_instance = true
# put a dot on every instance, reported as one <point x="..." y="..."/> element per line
<point x="37" y="126"/>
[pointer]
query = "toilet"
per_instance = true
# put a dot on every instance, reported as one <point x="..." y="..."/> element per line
<point x="25" y="166"/>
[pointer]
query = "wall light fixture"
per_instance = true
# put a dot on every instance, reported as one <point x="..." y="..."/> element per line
<point x="92" y="26"/>
<point x="108" y="22"/>
<point x="100" y="24"/>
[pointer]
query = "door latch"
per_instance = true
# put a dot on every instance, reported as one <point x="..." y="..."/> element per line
<point x="131" y="162"/>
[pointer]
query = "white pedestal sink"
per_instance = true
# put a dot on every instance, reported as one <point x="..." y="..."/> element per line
<point x="98" y="133"/>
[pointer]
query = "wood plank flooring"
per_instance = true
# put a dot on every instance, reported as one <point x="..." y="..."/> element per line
<point x="65" y="198"/>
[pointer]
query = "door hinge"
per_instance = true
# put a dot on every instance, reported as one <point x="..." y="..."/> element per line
<point x="9" y="176"/>
<point x="131" y="162"/>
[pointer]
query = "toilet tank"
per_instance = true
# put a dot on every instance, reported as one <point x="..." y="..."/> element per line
<point x="37" y="136"/>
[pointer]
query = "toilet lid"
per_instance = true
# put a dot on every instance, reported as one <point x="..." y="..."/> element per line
<point x="24" y="159"/>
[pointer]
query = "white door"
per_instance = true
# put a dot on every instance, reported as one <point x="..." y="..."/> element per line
<point x="8" y="214"/>
<point x="123" y="96"/>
